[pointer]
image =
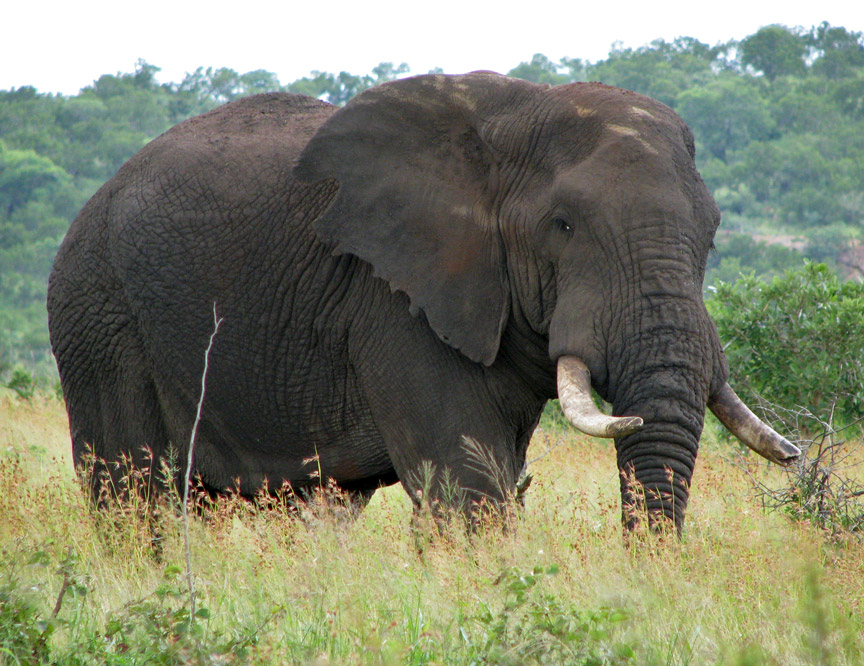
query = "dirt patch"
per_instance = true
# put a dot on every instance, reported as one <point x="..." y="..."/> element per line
<point x="792" y="242"/>
<point x="850" y="262"/>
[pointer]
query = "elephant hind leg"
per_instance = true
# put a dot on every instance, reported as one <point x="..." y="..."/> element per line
<point x="119" y="438"/>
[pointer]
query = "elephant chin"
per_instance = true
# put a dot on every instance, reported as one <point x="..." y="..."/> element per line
<point x="574" y="394"/>
<point x="752" y="432"/>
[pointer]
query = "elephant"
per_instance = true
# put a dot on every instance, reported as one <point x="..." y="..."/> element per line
<point x="403" y="283"/>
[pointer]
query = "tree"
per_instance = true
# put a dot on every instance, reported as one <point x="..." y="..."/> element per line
<point x="775" y="51"/>
<point x="22" y="174"/>
<point x="212" y="86"/>
<point x="840" y="52"/>
<point x="539" y="70"/>
<point x="738" y="254"/>
<point x="725" y="115"/>
<point x="801" y="180"/>
<point x="849" y="97"/>
<point x="338" y="89"/>
<point x="387" y="71"/>
<point x="662" y="70"/>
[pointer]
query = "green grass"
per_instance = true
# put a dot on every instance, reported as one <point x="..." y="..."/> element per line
<point x="560" y="586"/>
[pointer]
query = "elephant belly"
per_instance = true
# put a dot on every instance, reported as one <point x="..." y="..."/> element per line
<point x="304" y="420"/>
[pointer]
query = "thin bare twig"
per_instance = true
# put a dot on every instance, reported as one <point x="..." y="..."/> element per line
<point x="819" y="488"/>
<point x="549" y="449"/>
<point x="216" y="322"/>
<point x="67" y="581"/>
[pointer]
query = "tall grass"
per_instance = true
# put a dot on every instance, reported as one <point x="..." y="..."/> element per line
<point x="558" y="586"/>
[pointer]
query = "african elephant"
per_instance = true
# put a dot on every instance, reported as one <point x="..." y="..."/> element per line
<point x="403" y="282"/>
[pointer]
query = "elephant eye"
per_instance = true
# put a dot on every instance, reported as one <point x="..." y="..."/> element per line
<point x="562" y="225"/>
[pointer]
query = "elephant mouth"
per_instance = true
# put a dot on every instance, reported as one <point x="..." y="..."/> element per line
<point x="574" y="394"/>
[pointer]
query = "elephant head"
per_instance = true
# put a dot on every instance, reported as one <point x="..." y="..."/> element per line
<point x="573" y="216"/>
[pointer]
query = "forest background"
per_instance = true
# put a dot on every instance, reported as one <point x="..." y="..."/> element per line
<point x="778" y="119"/>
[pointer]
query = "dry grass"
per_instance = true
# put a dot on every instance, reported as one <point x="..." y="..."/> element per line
<point x="744" y="586"/>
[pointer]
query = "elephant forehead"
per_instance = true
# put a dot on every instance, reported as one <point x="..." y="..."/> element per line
<point x="623" y="133"/>
<point x="632" y="132"/>
<point x="627" y="176"/>
<point x="607" y="102"/>
<point x="638" y="111"/>
<point x="650" y="127"/>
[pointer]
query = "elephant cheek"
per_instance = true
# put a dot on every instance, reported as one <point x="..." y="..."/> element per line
<point x="572" y="332"/>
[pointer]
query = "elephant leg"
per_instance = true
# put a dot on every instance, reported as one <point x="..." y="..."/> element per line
<point x="119" y="438"/>
<point x="330" y="502"/>
<point x="448" y="458"/>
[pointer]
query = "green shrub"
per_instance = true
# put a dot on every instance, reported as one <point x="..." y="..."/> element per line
<point x="21" y="628"/>
<point x="22" y="383"/>
<point x="797" y="341"/>
<point x="156" y="629"/>
<point x="535" y="627"/>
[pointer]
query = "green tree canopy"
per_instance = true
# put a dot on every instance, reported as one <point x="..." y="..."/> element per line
<point x="840" y="53"/>
<point x="725" y="115"/>
<point x="775" y="50"/>
<point x="23" y="174"/>
<point x="539" y="70"/>
<point x="339" y="88"/>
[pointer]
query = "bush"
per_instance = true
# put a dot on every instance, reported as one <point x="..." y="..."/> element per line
<point x="820" y="489"/>
<point x="535" y="627"/>
<point x="797" y="341"/>
<point x="22" y="383"/>
<point x="797" y="346"/>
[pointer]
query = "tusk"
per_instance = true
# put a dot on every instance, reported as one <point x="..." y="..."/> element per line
<point x="747" y="427"/>
<point x="574" y="394"/>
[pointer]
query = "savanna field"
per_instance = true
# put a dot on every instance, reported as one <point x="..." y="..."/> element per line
<point x="747" y="584"/>
<point x="770" y="567"/>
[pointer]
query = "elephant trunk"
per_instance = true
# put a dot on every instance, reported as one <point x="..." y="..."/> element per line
<point x="656" y="466"/>
<point x="662" y="374"/>
<point x="657" y="463"/>
<point x="655" y="460"/>
<point x="657" y="449"/>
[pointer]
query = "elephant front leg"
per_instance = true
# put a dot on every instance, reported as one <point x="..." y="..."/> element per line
<point x="451" y="467"/>
<point x="454" y="430"/>
<point x="469" y="476"/>
<point x="331" y="502"/>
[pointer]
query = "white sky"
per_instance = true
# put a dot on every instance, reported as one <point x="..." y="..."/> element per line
<point x="64" y="45"/>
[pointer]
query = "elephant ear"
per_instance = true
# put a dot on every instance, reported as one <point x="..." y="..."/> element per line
<point x="415" y="200"/>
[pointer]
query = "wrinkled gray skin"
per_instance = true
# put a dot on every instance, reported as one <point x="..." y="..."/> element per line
<point x="394" y="276"/>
